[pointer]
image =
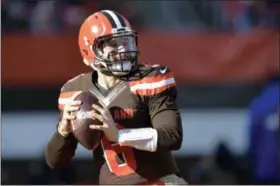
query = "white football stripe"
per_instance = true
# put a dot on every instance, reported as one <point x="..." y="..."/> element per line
<point x="153" y="85"/>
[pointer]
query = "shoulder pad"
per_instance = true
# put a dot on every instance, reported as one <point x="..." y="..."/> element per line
<point x="160" y="70"/>
<point x="68" y="85"/>
<point x="158" y="79"/>
<point x="69" y="90"/>
<point x="153" y="70"/>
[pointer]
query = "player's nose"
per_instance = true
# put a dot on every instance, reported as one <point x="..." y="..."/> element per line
<point x="122" y="56"/>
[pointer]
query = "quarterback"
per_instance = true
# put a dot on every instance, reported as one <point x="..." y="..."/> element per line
<point x="141" y="122"/>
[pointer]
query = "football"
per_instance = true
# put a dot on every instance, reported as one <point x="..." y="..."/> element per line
<point x="87" y="137"/>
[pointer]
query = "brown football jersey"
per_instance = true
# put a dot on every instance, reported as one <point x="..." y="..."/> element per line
<point x="143" y="99"/>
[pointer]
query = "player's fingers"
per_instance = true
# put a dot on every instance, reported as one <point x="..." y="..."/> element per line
<point x="98" y="116"/>
<point x="69" y="116"/>
<point x="68" y="107"/>
<point x="95" y="127"/>
<point x="102" y="104"/>
<point x="98" y="108"/>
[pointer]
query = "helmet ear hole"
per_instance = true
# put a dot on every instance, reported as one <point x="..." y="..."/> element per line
<point x="98" y="48"/>
<point x="85" y="52"/>
<point x="99" y="52"/>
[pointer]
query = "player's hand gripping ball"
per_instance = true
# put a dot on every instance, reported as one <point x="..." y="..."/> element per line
<point x="88" y="138"/>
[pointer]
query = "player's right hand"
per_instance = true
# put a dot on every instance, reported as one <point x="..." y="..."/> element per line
<point x="68" y="115"/>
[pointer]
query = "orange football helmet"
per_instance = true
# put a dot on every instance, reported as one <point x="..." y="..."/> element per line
<point x="101" y="27"/>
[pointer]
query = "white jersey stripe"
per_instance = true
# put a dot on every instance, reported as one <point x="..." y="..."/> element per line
<point x="153" y="85"/>
<point x="63" y="101"/>
<point x="115" y="18"/>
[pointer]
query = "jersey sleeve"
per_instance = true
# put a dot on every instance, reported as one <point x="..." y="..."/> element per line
<point x="60" y="150"/>
<point x="165" y="117"/>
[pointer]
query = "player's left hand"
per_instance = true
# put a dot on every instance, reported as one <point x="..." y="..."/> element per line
<point x="109" y="127"/>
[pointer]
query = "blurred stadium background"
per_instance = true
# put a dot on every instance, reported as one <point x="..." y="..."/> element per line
<point x="223" y="54"/>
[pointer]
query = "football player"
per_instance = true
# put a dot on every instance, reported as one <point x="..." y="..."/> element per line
<point x="141" y="121"/>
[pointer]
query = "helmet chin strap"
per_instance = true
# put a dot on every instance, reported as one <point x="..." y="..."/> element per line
<point x="120" y="73"/>
<point x="117" y="69"/>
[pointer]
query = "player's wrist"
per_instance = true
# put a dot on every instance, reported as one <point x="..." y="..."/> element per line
<point x="62" y="131"/>
<point x="118" y="136"/>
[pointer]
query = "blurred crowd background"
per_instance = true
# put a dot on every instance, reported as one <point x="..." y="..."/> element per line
<point x="225" y="56"/>
<point x="48" y="17"/>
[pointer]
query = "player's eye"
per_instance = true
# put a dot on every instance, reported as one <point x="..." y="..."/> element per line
<point x="112" y="43"/>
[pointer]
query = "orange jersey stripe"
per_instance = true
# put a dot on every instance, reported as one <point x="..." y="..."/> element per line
<point x="66" y="97"/>
<point x="68" y="94"/>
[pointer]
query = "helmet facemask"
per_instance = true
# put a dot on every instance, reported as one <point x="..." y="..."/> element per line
<point x="116" y="54"/>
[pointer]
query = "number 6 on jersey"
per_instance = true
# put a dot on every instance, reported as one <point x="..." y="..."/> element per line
<point x="111" y="152"/>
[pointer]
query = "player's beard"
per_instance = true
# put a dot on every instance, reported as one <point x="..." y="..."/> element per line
<point x="107" y="73"/>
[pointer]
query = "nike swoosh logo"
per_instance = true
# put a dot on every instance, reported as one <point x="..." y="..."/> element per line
<point x="163" y="70"/>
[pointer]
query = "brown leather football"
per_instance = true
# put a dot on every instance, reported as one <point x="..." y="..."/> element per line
<point x="87" y="137"/>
